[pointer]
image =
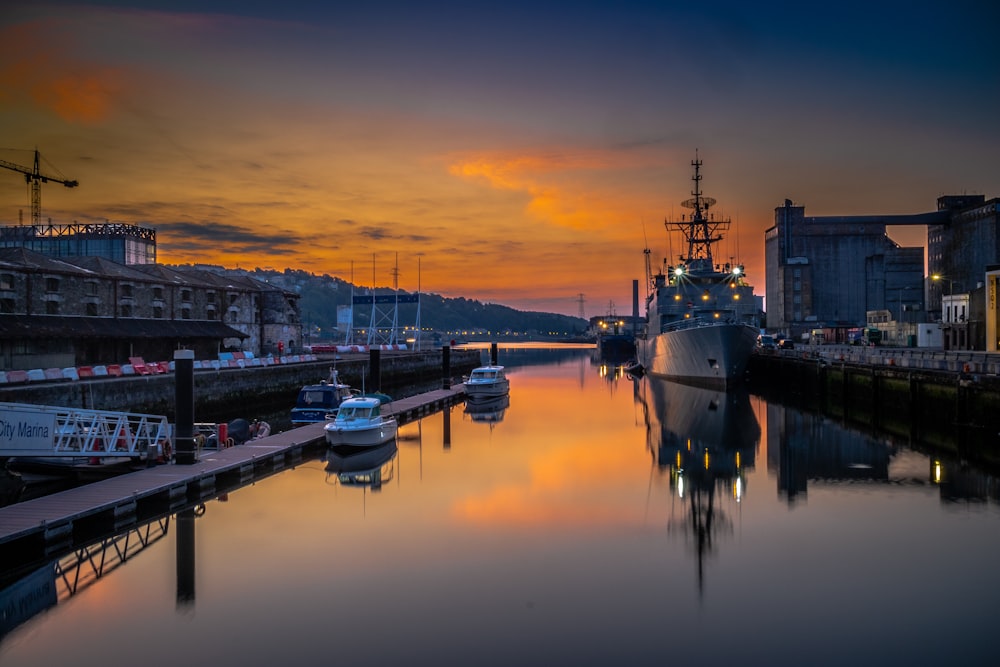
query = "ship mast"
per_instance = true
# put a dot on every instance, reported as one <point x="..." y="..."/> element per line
<point x="700" y="229"/>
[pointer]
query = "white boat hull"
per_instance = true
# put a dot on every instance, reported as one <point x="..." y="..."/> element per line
<point x="487" y="390"/>
<point x="360" y="436"/>
<point x="714" y="355"/>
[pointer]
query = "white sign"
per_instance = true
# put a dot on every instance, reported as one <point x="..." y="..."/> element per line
<point x="27" y="430"/>
<point x="345" y="318"/>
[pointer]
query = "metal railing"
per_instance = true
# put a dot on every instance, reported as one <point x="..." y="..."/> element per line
<point x="38" y="430"/>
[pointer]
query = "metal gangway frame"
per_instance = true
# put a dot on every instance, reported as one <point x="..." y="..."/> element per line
<point x="39" y="430"/>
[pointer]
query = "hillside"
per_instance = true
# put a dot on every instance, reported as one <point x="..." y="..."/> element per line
<point x="320" y="295"/>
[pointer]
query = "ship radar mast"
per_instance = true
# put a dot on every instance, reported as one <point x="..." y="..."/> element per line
<point x="700" y="229"/>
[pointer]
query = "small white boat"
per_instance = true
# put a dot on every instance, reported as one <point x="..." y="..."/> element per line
<point x="359" y="423"/>
<point x="487" y="382"/>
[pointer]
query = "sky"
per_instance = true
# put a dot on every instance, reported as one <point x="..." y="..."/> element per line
<point x="518" y="153"/>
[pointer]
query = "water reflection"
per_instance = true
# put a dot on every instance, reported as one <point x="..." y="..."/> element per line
<point x="48" y="583"/>
<point x="488" y="410"/>
<point x="805" y="448"/>
<point x="368" y="468"/>
<point x="706" y="441"/>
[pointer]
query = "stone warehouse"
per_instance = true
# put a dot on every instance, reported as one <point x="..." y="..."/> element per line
<point x="77" y="311"/>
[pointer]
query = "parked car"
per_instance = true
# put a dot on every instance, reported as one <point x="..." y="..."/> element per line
<point x="786" y="344"/>
<point x="766" y="342"/>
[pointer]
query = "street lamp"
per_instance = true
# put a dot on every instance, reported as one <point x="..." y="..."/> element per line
<point x="937" y="277"/>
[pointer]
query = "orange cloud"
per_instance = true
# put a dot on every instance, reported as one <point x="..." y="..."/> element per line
<point x="50" y="77"/>
<point x="544" y="178"/>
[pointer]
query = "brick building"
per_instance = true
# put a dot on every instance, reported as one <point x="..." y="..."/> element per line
<point x="76" y="311"/>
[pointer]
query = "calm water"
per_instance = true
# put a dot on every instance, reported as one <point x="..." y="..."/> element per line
<point x="596" y="521"/>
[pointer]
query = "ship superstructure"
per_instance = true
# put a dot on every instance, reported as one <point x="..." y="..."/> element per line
<point x="701" y="319"/>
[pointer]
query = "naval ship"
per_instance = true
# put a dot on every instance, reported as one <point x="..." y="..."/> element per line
<point x="701" y="317"/>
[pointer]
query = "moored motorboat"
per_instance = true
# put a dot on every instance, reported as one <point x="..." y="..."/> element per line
<point x="360" y="423"/>
<point x="316" y="401"/>
<point x="488" y="381"/>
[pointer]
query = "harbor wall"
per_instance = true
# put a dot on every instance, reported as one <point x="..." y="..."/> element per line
<point x="248" y="388"/>
<point x="944" y="408"/>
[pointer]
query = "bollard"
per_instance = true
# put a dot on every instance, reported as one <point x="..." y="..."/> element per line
<point x="494" y="355"/>
<point x="446" y="365"/>
<point x="184" y="407"/>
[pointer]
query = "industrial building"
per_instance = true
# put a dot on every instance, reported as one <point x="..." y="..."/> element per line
<point x="841" y="272"/>
<point x="60" y="309"/>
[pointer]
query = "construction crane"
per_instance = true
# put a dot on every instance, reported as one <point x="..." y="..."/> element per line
<point x="35" y="178"/>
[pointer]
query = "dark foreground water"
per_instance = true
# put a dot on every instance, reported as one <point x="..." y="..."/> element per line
<point x="592" y="521"/>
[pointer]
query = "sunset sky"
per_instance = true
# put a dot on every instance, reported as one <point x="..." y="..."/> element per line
<point x="521" y="153"/>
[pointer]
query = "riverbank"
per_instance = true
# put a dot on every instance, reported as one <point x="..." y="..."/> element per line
<point x="218" y="391"/>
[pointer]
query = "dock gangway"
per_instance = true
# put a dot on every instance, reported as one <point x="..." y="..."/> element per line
<point x="41" y="430"/>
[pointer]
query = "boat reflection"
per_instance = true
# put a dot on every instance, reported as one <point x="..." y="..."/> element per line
<point x="368" y="468"/>
<point x="706" y="442"/>
<point x="487" y="411"/>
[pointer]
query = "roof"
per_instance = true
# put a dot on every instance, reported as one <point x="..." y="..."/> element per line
<point x="60" y="326"/>
<point x="25" y="259"/>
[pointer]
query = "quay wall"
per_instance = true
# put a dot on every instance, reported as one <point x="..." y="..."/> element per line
<point x="948" y="400"/>
<point x="249" y="388"/>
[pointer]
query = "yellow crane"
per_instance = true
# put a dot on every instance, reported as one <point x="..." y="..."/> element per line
<point x="35" y="178"/>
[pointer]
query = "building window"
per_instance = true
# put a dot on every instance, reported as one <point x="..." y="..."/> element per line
<point x="127" y="291"/>
<point x="211" y="314"/>
<point x="6" y="281"/>
<point x="232" y="298"/>
<point x="6" y="306"/>
<point x="91" y="288"/>
<point x="158" y="293"/>
<point x="185" y="295"/>
<point x="51" y="307"/>
<point x="51" y="284"/>
<point x="126" y="310"/>
<point x="185" y="313"/>
<point x="91" y="309"/>
<point x="158" y="312"/>
<point x="210" y="296"/>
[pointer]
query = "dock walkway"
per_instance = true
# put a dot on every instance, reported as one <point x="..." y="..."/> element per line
<point x="43" y="526"/>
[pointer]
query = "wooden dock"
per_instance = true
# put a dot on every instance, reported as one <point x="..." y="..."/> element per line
<point x="44" y="527"/>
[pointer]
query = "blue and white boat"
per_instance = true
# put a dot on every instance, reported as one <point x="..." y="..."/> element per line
<point x="316" y="401"/>
<point x="360" y="423"/>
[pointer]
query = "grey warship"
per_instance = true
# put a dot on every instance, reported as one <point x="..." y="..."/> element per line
<point x="701" y="318"/>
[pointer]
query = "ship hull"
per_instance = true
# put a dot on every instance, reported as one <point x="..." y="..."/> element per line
<point x="713" y="356"/>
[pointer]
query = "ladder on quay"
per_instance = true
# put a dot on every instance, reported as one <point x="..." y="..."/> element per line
<point x="41" y="430"/>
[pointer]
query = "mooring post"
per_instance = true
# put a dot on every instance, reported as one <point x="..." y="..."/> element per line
<point x="184" y="406"/>
<point x="375" y="368"/>
<point x="446" y="366"/>
<point x="494" y="356"/>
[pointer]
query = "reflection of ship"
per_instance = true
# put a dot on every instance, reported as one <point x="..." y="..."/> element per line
<point x="706" y="440"/>
<point x="488" y="410"/>
<point x="368" y="468"/>
<point x="700" y="317"/>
